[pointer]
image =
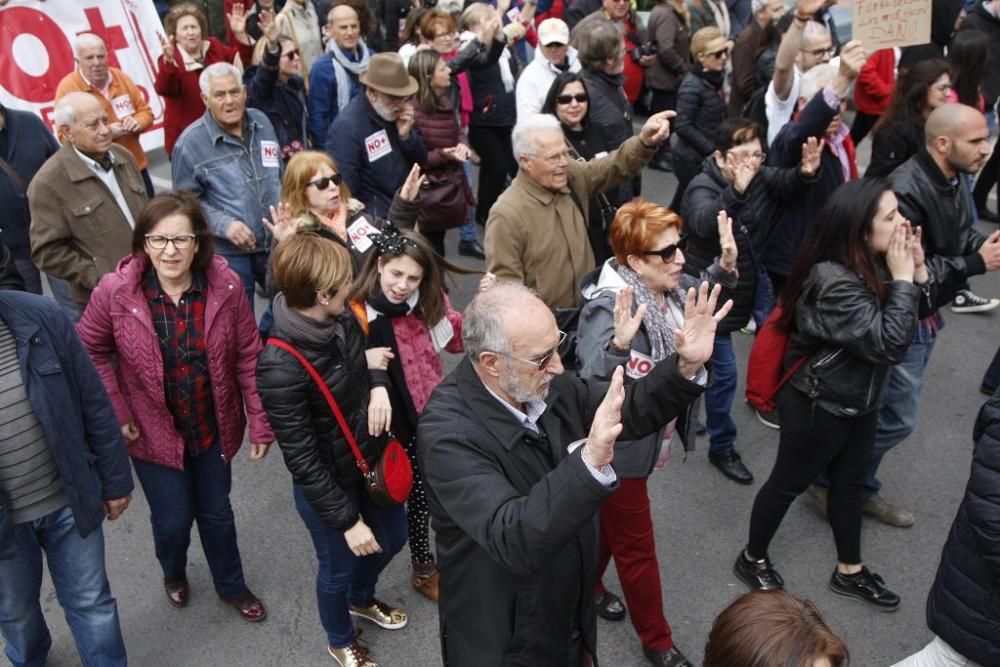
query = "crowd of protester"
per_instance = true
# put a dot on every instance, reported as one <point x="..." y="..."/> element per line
<point x="320" y="152"/>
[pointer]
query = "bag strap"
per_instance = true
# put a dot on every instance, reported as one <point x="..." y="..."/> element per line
<point x="13" y="175"/>
<point x="362" y="464"/>
<point x="602" y="199"/>
<point x="790" y="372"/>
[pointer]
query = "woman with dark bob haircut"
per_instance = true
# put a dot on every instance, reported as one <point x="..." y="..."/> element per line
<point x="772" y="629"/>
<point x="850" y="310"/>
<point x="174" y="339"/>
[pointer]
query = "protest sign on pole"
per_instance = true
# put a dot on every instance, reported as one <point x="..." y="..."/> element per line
<point x="886" y="24"/>
<point x="36" y="50"/>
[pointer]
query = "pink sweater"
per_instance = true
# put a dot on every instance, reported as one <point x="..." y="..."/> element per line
<point x="117" y="329"/>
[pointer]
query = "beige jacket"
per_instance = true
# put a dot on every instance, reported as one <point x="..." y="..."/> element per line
<point x="78" y="232"/>
<point x="539" y="237"/>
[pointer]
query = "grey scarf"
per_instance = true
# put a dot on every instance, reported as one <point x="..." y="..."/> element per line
<point x="659" y="325"/>
<point x="342" y="65"/>
<point x="298" y="327"/>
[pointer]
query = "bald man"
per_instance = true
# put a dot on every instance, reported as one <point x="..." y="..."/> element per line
<point x="933" y="196"/>
<point x="128" y="113"/>
<point x="333" y="79"/>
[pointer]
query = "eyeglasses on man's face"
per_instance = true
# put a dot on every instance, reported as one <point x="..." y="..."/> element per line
<point x="542" y="362"/>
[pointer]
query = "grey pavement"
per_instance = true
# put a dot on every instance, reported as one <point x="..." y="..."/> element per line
<point x="701" y="523"/>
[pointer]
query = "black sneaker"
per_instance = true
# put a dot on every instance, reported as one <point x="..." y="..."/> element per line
<point x="759" y="575"/>
<point x="768" y="419"/>
<point x="966" y="301"/>
<point x="865" y="586"/>
<point x="669" y="658"/>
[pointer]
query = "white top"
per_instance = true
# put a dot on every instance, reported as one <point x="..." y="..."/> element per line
<point x="536" y="79"/>
<point x="780" y="111"/>
<point x="109" y="179"/>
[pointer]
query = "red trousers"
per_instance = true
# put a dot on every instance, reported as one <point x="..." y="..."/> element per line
<point x="627" y="534"/>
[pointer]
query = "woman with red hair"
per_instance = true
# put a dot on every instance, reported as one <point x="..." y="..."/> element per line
<point x="634" y="314"/>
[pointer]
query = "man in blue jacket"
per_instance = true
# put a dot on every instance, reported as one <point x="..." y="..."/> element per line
<point x="63" y="468"/>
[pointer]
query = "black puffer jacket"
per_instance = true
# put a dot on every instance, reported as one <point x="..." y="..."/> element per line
<point x="710" y="193"/>
<point x="963" y="606"/>
<point x="700" y="110"/>
<point x="894" y="146"/>
<point x="312" y="444"/>
<point x="854" y="340"/>
<point x="284" y="104"/>
<point x="980" y="19"/>
<point x="951" y="243"/>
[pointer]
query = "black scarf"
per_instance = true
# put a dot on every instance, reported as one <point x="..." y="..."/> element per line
<point x="380" y="334"/>
<point x="713" y="79"/>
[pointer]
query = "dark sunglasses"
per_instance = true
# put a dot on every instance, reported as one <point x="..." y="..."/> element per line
<point x="718" y="54"/>
<point x="667" y="254"/>
<point x="324" y="183"/>
<point x="294" y="53"/>
<point x="581" y="98"/>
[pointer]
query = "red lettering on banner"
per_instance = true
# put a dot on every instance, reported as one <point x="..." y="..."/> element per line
<point x="640" y="367"/>
<point x="24" y="20"/>
<point x="376" y="144"/>
<point x="270" y="150"/>
<point x="113" y="35"/>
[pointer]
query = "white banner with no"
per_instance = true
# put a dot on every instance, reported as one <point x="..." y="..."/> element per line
<point x="36" y="50"/>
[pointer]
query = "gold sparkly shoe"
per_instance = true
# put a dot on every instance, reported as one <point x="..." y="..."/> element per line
<point x="381" y="615"/>
<point x="353" y="655"/>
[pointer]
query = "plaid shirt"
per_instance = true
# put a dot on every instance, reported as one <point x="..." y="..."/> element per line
<point x="180" y="329"/>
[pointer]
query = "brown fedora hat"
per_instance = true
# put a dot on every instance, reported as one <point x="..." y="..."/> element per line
<point x="387" y="74"/>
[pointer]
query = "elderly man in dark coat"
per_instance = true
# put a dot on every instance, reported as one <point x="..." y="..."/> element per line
<point x="518" y="457"/>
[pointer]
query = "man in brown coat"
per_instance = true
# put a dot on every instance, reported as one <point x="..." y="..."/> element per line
<point x="536" y="233"/>
<point x="85" y="199"/>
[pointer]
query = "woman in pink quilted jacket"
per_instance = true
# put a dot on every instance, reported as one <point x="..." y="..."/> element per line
<point x="176" y="344"/>
<point x="400" y="298"/>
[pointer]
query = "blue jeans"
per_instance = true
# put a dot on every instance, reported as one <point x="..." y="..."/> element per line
<point x="252" y="269"/>
<point x="178" y="497"/>
<point x="897" y="414"/>
<point x="76" y="565"/>
<point x="467" y="232"/>
<point x="342" y="577"/>
<point x="719" y="397"/>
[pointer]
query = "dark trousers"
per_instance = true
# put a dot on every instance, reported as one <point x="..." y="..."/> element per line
<point x="992" y="378"/>
<point x="627" y="534"/>
<point x="685" y="169"/>
<point x="497" y="163"/>
<point x="862" y="125"/>
<point x="813" y="440"/>
<point x="179" y="497"/>
<point x="342" y="578"/>
<point x="987" y="179"/>
<point x="148" y="182"/>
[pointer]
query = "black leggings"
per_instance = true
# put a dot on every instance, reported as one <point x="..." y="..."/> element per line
<point x="497" y="155"/>
<point x="417" y="513"/>
<point x="814" y="440"/>
<point x="988" y="177"/>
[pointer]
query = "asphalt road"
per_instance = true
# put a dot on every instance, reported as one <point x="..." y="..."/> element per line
<point x="701" y="522"/>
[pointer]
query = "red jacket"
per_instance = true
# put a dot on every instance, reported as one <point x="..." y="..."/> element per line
<point x="179" y="87"/>
<point x="117" y="330"/>
<point x="876" y="81"/>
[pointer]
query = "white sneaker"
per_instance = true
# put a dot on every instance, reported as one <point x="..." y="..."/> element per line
<point x="967" y="302"/>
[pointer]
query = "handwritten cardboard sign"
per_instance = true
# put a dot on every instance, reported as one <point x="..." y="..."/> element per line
<point x="886" y="24"/>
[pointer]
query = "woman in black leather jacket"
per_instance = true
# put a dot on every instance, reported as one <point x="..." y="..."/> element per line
<point x="851" y="324"/>
<point x="354" y="538"/>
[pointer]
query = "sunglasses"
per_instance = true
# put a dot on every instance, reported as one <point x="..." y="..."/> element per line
<point x="718" y="54"/>
<point x="667" y="253"/>
<point x="324" y="183"/>
<point x="542" y="362"/>
<point x="291" y="55"/>
<point x="581" y="98"/>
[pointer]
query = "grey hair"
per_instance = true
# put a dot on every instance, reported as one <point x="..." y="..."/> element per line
<point x="68" y="105"/>
<point x="85" y="39"/>
<point x="523" y="136"/>
<point x="483" y="328"/>
<point x="218" y="71"/>
<point x="596" y="40"/>
<point x="816" y="79"/>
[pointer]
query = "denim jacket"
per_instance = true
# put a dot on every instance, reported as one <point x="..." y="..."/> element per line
<point x="68" y="397"/>
<point x="235" y="180"/>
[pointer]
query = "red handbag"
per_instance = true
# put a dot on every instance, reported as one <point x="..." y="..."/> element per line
<point x="390" y="482"/>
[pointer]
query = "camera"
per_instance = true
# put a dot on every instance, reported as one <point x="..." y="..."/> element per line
<point x="645" y="49"/>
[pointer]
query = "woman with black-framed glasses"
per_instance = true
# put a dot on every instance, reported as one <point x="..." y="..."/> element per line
<point x="173" y="336"/>
<point x="569" y="100"/>
<point x="634" y="309"/>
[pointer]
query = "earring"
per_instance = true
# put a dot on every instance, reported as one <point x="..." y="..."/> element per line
<point x="325" y="302"/>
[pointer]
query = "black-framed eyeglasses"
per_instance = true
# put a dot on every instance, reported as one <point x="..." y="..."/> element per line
<point x="667" y="253"/>
<point x="542" y="362"/>
<point x="580" y="98"/>
<point x="181" y="241"/>
<point x="324" y="183"/>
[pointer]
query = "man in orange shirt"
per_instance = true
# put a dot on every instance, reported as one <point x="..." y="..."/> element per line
<point x="128" y="113"/>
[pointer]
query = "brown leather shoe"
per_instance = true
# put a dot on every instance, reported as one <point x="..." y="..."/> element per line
<point x="427" y="585"/>
<point x="250" y="607"/>
<point x="177" y="592"/>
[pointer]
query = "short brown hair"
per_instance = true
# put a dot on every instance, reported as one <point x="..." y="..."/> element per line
<point x="178" y="202"/>
<point x="177" y="12"/>
<point x="433" y="18"/>
<point x="772" y="629"/>
<point x="307" y="264"/>
<point x="635" y="225"/>
<point x="298" y="172"/>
